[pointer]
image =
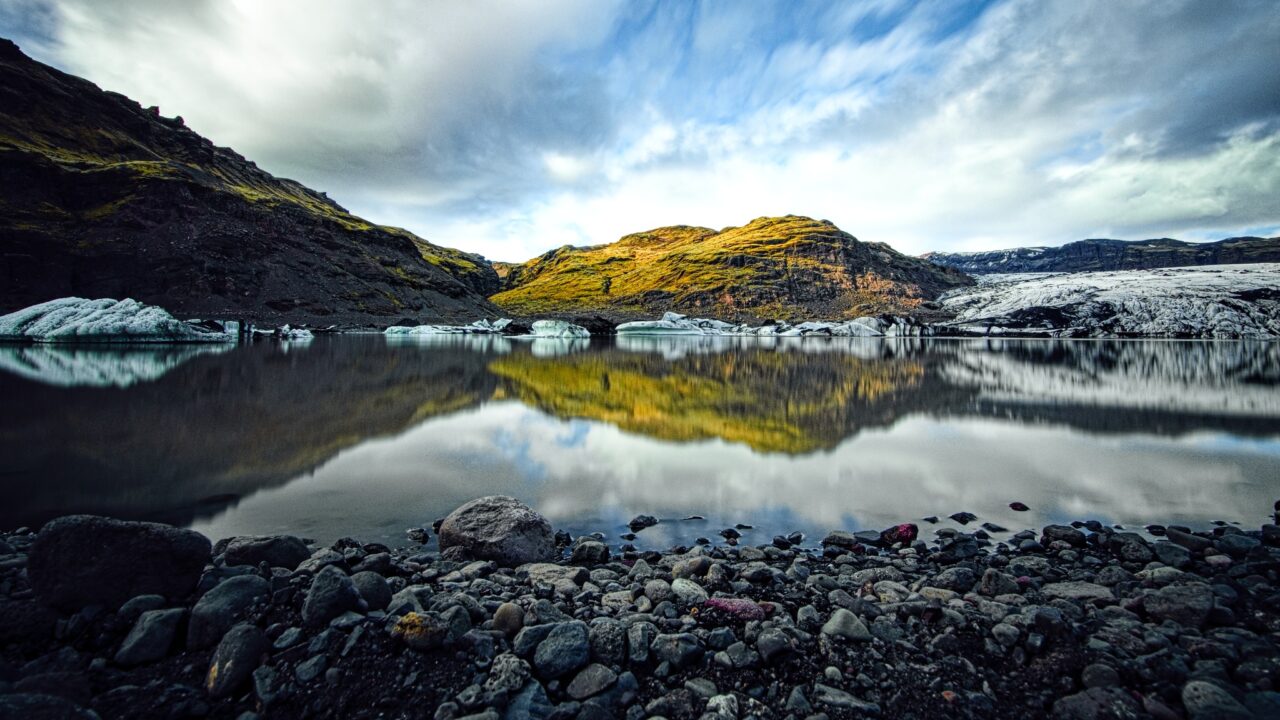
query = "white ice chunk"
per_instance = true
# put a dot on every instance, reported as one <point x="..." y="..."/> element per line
<point x="103" y="320"/>
<point x="558" y="329"/>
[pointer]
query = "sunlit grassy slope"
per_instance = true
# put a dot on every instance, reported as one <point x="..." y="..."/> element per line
<point x="773" y="267"/>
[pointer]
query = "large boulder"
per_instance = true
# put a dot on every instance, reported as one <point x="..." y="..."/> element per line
<point x="501" y="529"/>
<point x="81" y="560"/>
<point x="284" y="551"/>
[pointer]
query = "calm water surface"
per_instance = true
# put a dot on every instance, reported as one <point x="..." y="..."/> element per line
<point x="360" y="436"/>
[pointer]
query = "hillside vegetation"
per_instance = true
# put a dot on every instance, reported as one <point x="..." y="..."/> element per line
<point x="100" y="197"/>
<point x="771" y="268"/>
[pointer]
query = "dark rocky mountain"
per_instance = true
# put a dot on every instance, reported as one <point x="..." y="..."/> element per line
<point x="788" y="267"/>
<point x="1096" y="255"/>
<point x="100" y="197"/>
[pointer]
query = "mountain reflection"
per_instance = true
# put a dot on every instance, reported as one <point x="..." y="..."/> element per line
<point x="217" y="427"/>
<point x="174" y="435"/>
<point x="770" y="401"/>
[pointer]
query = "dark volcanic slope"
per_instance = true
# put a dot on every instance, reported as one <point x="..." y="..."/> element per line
<point x="772" y="267"/>
<point x="101" y="198"/>
<point x="1091" y="255"/>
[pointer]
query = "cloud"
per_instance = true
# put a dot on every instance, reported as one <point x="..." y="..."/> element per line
<point x="510" y="128"/>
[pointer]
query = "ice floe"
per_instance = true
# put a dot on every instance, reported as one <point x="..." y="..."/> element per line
<point x="675" y="324"/>
<point x="1221" y="301"/>
<point x="558" y="329"/>
<point x="103" y="320"/>
<point x="479" y="327"/>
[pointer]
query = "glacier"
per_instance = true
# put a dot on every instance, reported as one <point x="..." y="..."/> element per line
<point x="103" y="320"/>
<point x="1210" y="302"/>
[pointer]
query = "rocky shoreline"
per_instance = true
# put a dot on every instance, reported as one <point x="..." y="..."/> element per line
<point x="112" y="619"/>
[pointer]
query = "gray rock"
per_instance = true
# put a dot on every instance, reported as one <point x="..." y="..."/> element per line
<point x="589" y="552"/>
<point x="1237" y="545"/>
<point x="995" y="583"/>
<point x="688" y="592"/>
<point x="81" y="560"/>
<point x="844" y="624"/>
<point x="639" y="637"/>
<point x="565" y="579"/>
<point x="958" y="579"/>
<point x="1206" y="701"/>
<point x="657" y="590"/>
<point x="566" y="648"/>
<point x="1005" y="634"/>
<point x="723" y="705"/>
<point x="373" y="588"/>
<point x="151" y="637"/>
<point x="1099" y="675"/>
<point x="1109" y="703"/>
<point x="1194" y="543"/>
<point x="501" y="529"/>
<point x="508" y="673"/>
<point x="133" y="609"/>
<point x="332" y="593"/>
<point x="608" y="641"/>
<point x="220" y="608"/>
<point x="774" y="645"/>
<point x="310" y="669"/>
<point x="531" y="703"/>
<point x="840" y="539"/>
<point x="37" y="706"/>
<point x="1077" y="590"/>
<point x="1063" y="533"/>
<point x="508" y="618"/>
<point x="827" y="695"/>
<point x="237" y="656"/>
<point x="284" y="551"/>
<point x="681" y="650"/>
<point x="1171" y="554"/>
<point x="421" y="631"/>
<point x="1187" y="604"/>
<point x="591" y="680"/>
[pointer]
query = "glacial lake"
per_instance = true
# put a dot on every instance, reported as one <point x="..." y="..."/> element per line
<point x="363" y="436"/>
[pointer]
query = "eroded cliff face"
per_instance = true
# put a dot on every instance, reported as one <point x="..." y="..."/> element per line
<point x="103" y="198"/>
<point x="771" y="268"/>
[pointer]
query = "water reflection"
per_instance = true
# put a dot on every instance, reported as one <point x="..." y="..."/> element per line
<point x="368" y="435"/>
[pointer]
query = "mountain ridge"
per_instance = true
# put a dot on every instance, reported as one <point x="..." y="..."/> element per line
<point x="103" y="198"/>
<point x="1103" y="254"/>
<point x="771" y="268"/>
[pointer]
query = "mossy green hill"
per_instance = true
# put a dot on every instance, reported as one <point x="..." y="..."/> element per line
<point x="771" y="268"/>
<point x="100" y="197"/>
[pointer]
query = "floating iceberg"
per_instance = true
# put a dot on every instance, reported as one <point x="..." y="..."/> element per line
<point x="293" y="333"/>
<point x="674" y="324"/>
<point x="670" y="324"/>
<point x="479" y="327"/>
<point x="558" y="329"/>
<point x="104" y="320"/>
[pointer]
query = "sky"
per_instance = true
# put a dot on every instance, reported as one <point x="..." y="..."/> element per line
<point x="511" y="128"/>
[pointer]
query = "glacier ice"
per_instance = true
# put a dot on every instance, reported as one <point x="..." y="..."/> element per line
<point x="1211" y="302"/>
<point x="479" y="327"/>
<point x="558" y="329"/>
<point x="103" y="320"/>
<point x="675" y="324"/>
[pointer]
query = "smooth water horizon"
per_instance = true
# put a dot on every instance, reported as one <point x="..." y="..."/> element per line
<point x="366" y="436"/>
